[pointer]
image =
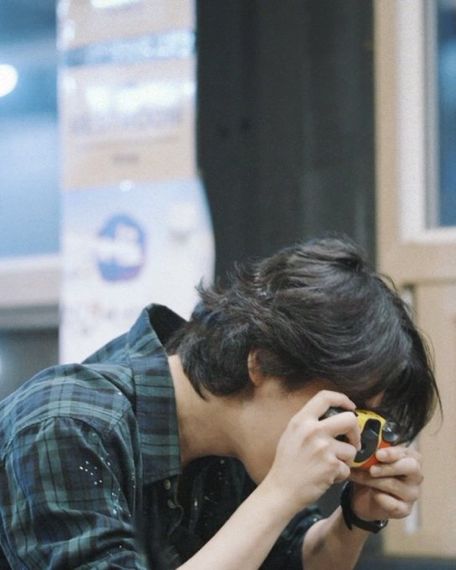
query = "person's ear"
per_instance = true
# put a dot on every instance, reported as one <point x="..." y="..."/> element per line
<point x="255" y="373"/>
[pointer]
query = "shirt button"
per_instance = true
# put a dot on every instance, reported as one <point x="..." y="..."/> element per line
<point x="171" y="504"/>
<point x="167" y="484"/>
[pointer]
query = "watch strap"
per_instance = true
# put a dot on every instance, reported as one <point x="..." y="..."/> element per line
<point x="351" y="519"/>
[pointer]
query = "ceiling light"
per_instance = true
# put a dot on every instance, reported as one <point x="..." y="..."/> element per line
<point x="8" y="79"/>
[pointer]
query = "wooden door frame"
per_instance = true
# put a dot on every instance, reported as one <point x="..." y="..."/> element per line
<point x="421" y="259"/>
<point x="407" y="249"/>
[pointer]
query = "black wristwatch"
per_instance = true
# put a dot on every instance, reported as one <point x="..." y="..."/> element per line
<point x="350" y="518"/>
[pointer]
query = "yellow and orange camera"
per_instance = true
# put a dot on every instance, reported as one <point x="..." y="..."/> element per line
<point x="376" y="432"/>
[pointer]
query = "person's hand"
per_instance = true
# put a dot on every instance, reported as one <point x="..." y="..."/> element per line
<point x="309" y="458"/>
<point x="390" y="488"/>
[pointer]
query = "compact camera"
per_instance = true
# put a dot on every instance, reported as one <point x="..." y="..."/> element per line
<point x="376" y="432"/>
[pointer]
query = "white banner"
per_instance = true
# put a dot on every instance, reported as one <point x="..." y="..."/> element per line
<point x="128" y="122"/>
<point x="85" y="22"/>
<point x="125" y="247"/>
<point x="136" y="226"/>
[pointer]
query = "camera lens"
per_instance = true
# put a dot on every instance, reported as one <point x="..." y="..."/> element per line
<point x="390" y="432"/>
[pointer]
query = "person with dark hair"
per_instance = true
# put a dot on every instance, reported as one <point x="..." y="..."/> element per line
<point x="206" y="444"/>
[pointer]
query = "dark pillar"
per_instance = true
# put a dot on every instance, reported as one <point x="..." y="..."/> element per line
<point x="285" y="129"/>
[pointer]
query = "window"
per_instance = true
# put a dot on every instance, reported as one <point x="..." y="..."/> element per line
<point x="446" y="112"/>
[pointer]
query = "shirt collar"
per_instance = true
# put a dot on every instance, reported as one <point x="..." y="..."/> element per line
<point x="155" y="398"/>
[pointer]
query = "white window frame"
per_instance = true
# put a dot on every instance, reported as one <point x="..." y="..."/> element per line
<point x="29" y="291"/>
<point x="416" y="127"/>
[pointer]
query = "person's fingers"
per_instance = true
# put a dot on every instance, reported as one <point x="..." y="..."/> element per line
<point x="344" y="451"/>
<point x="394" y="453"/>
<point x="406" y="467"/>
<point x="321" y="402"/>
<point x="343" y="473"/>
<point x="394" y="507"/>
<point x="344" y="424"/>
<point x="400" y="489"/>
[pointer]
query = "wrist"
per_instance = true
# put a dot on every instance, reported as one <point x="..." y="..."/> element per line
<point x="284" y="503"/>
<point x="351" y="519"/>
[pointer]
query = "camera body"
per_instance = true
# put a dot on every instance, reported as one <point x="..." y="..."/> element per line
<point x="376" y="432"/>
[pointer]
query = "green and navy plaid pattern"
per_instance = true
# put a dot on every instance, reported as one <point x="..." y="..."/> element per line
<point x="90" y="463"/>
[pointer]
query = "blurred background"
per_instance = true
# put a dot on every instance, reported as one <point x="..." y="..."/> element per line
<point x="145" y="145"/>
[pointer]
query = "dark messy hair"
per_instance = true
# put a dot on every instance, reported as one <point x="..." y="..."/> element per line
<point x="315" y="310"/>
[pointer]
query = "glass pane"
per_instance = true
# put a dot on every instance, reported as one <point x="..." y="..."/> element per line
<point x="446" y="51"/>
<point x="29" y="187"/>
<point x="23" y="354"/>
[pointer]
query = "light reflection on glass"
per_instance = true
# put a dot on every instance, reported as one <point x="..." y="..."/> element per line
<point x="106" y="4"/>
<point x="8" y="79"/>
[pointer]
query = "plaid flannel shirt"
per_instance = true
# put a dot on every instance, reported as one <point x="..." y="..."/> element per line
<point x="90" y="466"/>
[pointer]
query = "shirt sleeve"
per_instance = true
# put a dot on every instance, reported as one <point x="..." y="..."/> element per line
<point x="68" y="499"/>
<point x="286" y="554"/>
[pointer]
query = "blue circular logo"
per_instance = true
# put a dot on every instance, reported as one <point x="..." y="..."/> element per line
<point x="121" y="247"/>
